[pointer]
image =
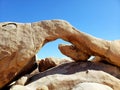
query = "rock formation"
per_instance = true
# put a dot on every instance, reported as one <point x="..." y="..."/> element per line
<point x="73" y="52"/>
<point x="50" y="62"/>
<point x="21" y="41"/>
<point x="69" y="82"/>
<point x="71" y="75"/>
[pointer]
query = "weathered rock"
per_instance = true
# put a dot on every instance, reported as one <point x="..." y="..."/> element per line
<point x="97" y="59"/>
<point x="80" y="86"/>
<point x="42" y="88"/>
<point x="22" y="80"/>
<point x="74" y="67"/>
<point x="73" y="52"/>
<point x="20" y="87"/>
<point x="20" y="42"/>
<point x="46" y="64"/>
<point x="27" y="69"/>
<point x="16" y="50"/>
<point x="70" y="70"/>
<point x="50" y="62"/>
<point x="91" y="86"/>
<point x="55" y="29"/>
<point x="66" y="82"/>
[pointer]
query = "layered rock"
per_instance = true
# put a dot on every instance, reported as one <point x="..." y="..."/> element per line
<point x="75" y="67"/>
<point x="21" y="41"/>
<point x="73" y="76"/>
<point x="72" y="81"/>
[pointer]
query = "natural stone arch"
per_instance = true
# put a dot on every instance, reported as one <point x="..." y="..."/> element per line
<point x="20" y="42"/>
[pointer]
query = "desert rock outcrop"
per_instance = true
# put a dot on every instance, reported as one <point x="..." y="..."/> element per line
<point x="19" y="42"/>
<point x="68" y="82"/>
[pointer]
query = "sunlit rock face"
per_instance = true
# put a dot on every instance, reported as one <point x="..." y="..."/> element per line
<point x="91" y="86"/>
<point x="19" y="42"/>
<point x="91" y="79"/>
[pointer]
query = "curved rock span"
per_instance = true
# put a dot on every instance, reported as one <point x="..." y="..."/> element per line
<point x="19" y="42"/>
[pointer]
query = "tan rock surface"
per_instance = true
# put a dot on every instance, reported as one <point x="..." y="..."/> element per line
<point x="22" y="80"/>
<point x="80" y="86"/>
<point x="73" y="52"/>
<point x="66" y="82"/>
<point x="20" y="87"/>
<point x="55" y="29"/>
<point x="91" y="86"/>
<point x="67" y="76"/>
<point x="20" y="42"/>
<point x="59" y="76"/>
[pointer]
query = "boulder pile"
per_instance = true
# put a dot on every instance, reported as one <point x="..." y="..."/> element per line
<point x="19" y="43"/>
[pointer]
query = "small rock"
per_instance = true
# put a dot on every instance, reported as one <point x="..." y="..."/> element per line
<point x="50" y="62"/>
<point x="22" y="80"/>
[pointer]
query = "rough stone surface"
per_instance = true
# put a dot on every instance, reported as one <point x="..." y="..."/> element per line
<point x="46" y="64"/>
<point x="22" y="80"/>
<point x="73" y="52"/>
<point x="50" y="62"/>
<point x="80" y="86"/>
<point x="65" y="76"/>
<point x="67" y="82"/>
<point x="74" y="67"/>
<point x="44" y="87"/>
<point x="21" y="41"/>
<point x="91" y="86"/>
<point x="20" y="87"/>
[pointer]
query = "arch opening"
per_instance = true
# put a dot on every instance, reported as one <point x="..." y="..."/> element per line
<point x="51" y="50"/>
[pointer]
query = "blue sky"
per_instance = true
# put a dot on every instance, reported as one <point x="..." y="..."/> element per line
<point x="100" y="18"/>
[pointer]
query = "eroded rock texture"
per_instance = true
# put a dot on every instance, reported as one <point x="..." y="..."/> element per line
<point x="19" y="42"/>
<point x="73" y="52"/>
<point x="72" y="76"/>
<point x="69" y="82"/>
<point x="50" y="62"/>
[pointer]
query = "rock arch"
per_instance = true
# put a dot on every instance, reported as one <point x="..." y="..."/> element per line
<point x="19" y="44"/>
